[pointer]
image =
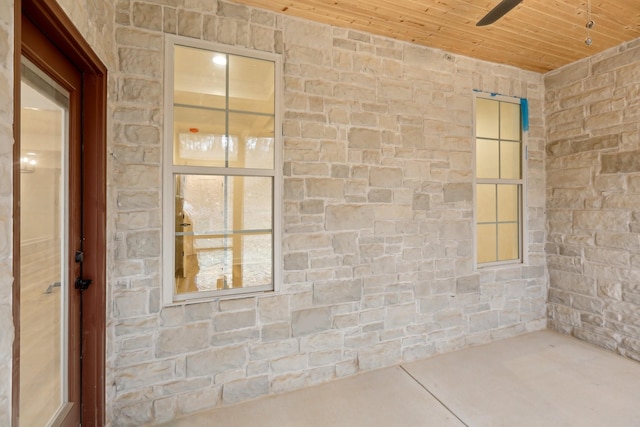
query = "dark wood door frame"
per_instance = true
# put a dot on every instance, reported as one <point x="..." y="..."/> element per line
<point x="49" y="17"/>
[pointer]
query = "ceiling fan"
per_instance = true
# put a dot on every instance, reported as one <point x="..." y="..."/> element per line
<point x="498" y="12"/>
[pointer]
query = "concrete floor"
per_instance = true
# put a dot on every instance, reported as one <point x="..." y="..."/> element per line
<point x="539" y="379"/>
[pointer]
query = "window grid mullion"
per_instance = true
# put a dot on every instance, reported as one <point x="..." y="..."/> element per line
<point x="225" y="209"/>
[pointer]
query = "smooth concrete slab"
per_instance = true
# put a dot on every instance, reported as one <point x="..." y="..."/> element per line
<point x="538" y="379"/>
<point x="383" y="398"/>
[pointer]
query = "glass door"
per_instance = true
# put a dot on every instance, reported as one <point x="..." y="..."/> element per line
<point x="45" y="294"/>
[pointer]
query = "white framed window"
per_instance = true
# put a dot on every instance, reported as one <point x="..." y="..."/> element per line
<point x="499" y="151"/>
<point x="222" y="171"/>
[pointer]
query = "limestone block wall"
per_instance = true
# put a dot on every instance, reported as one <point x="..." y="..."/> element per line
<point x="377" y="209"/>
<point x="593" y="199"/>
<point x="6" y="208"/>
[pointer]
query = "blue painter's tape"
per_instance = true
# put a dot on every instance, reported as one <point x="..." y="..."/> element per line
<point x="524" y="110"/>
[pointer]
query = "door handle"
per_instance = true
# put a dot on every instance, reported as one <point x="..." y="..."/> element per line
<point x="82" y="284"/>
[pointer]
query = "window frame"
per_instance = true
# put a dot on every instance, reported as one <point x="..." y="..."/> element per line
<point x="170" y="170"/>
<point x="522" y="183"/>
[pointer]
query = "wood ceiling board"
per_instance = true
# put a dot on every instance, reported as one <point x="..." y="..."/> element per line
<point x="537" y="35"/>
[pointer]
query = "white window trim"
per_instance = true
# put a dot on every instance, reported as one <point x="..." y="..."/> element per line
<point x="168" y="170"/>
<point x="524" y="243"/>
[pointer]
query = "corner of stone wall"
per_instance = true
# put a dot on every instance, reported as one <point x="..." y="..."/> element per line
<point x="593" y="191"/>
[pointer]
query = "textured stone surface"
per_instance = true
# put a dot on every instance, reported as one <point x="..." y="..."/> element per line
<point x="592" y="174"/>
<point x="377" y="213"/>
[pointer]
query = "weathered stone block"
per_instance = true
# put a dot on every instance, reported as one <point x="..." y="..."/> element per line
<point x="276" y="331"/>
<point x="137" y="176"/>
<point x="458" y="192"/>
<point x="336" y="292"/>
<point x="142" y="62"/>
<point x="199" y="400"/>
<point x="274" y="350"/>
<point x="380" y="355"/>
<point x="468" y="284"/>
<point x="294" y="363"/>
<point x="484" y="321"/>
<point x="296" y="261"/>
<point x="329" y="340"/>
<point x="448" y="318"/>
<point x="349" y="217"/>
<point x="130" y="303"/>
<point x="385" y="177"/>
<point x="400" y="316"/>
<point x="364" y="138"/>
<point x="215" y="361"/>
<point x="243" y="390"/>
<point x="601" y="220"/>
<point x="223" y="322"/>
<point x="183" y="339"/>
<point x="189" y="24"/>
<point x="274" y="309"/>
<point x="235" y="337"/>
<point x="147" y="15"/>
<point x="142" y="244"/>
<point x="305" y="322"/>
<point x="324" y="187"/>
<point x="140" y="91"/>
<point x="135" y="414"/>
<point x="623" y="162"/>
<point x="142" y="374"/>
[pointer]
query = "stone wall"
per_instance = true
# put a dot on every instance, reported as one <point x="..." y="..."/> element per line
<point x="593" y="195"/>
<point x="377" y="206"/>
<point x="6" y="208"/>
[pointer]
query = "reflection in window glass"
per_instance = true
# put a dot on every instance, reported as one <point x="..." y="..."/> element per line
<point x="223" y="232"/>
<point x="509" y="121"/>
<point x="222" y="122"/>
<point x="486" y="243"/>
<point x="510" y="160"/>
<point x="508" y="203"/>
<point x="508" y="242"/>
<point x="199" y="77"/>
<point x="487" y="119"/>
<point x="486" y="208"/>
<point x="251" y="85"/>
<point x="487" y="159"/>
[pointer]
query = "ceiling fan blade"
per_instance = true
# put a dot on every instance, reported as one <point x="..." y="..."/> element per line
<point x="498" y="12"/>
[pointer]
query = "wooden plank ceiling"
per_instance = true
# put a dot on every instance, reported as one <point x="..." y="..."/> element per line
<point x="538" y="35"/>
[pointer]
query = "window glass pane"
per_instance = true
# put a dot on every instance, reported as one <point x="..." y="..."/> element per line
<point x="510" y="121"/>
<point x="487" y="118"/>
<point x="486" y="243"/>
<point x="486" y="203"/>
<point x="199" y="137"/>
<point x="251" y="84"/>
<point x="222" y="222"/>
<point x="508" y="242"/>
<point x="487" y="159"/>
<point x="507" y="203"/>
<point x="199" y="77"/>
<point x="255" y="259"/>
<point x="255" y="136"/>
<point x="510" y="160"/>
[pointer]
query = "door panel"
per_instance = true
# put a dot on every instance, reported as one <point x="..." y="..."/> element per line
<point x="49" y="39"/>
<point x="50" y="234"/>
